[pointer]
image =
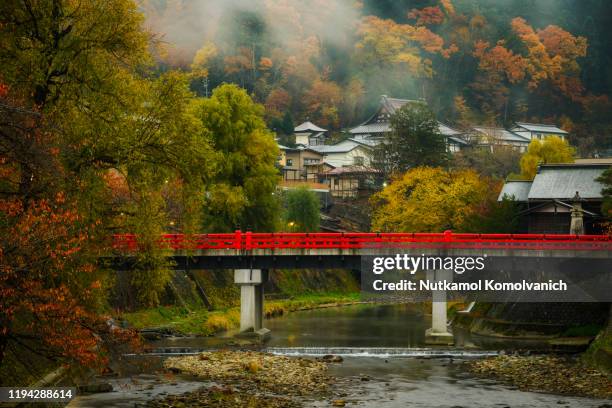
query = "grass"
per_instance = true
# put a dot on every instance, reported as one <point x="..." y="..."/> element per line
<point x="203" y="322"/>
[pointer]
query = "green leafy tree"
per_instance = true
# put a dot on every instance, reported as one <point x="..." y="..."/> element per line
<point x="494" y="217"/>
<point x="81" y="72"/>
<point x="242" y="194"/>
<point x="551" y="150"/>
<point x="302" y="210"/>
<point x="414" y="141"/>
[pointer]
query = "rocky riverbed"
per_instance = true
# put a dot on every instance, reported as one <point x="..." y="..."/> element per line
<point x="548" y="373"/>
<point x="247" y="378"/>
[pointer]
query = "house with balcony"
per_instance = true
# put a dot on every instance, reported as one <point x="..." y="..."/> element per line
<point x="301" y="163"/>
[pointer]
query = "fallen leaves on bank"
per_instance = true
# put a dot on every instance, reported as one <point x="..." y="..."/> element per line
<point x="248" y="378"/>
<point x="546" y="373"/>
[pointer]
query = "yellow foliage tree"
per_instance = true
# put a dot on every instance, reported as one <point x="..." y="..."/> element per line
<point x="202" y="59"/>
<point x="427" y="199"/>
<point x="551" y="150"/>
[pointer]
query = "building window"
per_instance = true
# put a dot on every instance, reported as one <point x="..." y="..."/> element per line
<point x="358" y="161"/>
<point x="289" y="162"/>
<point x="311" y="161"/>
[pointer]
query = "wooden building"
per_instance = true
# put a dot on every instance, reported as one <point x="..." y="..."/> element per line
<point x="557" y="194"/>
<point x="352" y="181"/>
<point x="301" y="164"/>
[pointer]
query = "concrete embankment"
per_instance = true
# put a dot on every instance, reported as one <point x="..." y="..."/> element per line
<point x="563" y="327"/>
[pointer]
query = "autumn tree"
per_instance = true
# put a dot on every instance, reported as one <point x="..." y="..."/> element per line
<point x="427" y="199"/>
<point x="87" y="140"/>
<point x="545" y="64"/>
<point x="242" y="193"/>
<point x="553" y="149"/>
<point x="414" y="140"/>
<point x="322" y="102"/>
<point x="302" y="210"/>
<point x="385" y="43"/>
<point x="51" y="289"/>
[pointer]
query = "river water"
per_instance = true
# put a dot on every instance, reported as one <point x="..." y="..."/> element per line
<point x="386" y="363"/>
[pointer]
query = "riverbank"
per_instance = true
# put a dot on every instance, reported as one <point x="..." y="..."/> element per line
<point x="248" y="379"/>
<point x="201" y="322"/>
<point x="546" y="373"/>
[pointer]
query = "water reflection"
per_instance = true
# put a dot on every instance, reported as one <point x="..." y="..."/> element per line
<point x="355" y="326"/>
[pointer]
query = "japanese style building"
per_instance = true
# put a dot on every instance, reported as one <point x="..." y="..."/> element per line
<point x="561" y="199"/>
<point x="491" y="137"/>
<point x="372" y="131"/>
<point x="538" y="131"/>
<point x="309" y="134"/>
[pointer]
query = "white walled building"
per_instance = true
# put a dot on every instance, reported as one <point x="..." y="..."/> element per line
<point x="538" y="131"/>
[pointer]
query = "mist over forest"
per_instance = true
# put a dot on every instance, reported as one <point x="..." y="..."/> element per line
<point x="476" y="61"/>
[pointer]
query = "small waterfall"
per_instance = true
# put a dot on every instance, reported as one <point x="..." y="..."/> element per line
<point x="381" y="352"/>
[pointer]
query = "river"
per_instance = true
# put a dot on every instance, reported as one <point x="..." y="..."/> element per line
<point x="386" y="364"/>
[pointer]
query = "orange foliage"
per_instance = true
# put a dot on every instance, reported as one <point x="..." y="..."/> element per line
<point x="117" y="184"/>
<point x="277" y="102"/>
<point x="500" y="60"/>
<point x="385" y="42"/>
<point x="427" y="15"/>
<point x="265" y="63"/>
<point x="557" y="41"/>
<point x="49" y="283"/>
<point x="552" y="54"/>
<point x="322" y="101"/>
<point x="447" y="5"/>
<point x="428" y="40"/>
<point x="39" y="313"/>
<point x="243" y="61"/>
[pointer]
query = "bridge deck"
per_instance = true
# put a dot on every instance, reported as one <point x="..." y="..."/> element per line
<point x="248" y="241"/>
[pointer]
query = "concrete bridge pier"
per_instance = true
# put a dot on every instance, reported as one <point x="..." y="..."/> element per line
<point x="438" y="334"/>
<point x="251" y="283"/>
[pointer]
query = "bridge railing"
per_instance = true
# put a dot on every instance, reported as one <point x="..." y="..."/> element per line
<point x="247" y="241"/>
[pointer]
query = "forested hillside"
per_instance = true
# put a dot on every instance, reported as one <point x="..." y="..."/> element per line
<point x="478" y="61"/>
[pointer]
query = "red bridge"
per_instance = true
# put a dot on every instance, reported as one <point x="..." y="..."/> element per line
<point x="249" y="241"/>
<point x="252" y="255"/>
